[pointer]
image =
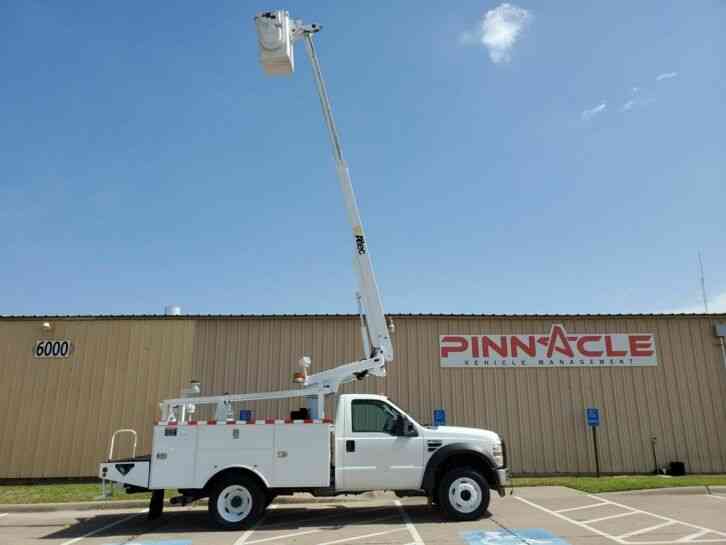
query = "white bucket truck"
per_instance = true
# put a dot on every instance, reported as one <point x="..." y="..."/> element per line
<point x="371" y="445"/>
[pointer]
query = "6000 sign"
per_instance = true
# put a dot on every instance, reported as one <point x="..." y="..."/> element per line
<point x="46" y="348"/>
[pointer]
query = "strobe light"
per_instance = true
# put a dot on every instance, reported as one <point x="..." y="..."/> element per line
<point x="274" y="37"/>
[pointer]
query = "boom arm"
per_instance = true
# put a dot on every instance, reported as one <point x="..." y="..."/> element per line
<point x="368" y="288"/>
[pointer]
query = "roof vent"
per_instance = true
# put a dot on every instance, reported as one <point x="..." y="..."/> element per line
<point x="172" y="310"/>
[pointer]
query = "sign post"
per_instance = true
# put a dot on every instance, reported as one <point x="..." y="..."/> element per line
<point x="593" y="420"/>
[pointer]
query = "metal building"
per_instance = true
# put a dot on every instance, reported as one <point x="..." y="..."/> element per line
<point x="69" y="382"/>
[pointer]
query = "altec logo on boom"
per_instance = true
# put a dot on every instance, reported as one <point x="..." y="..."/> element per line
<point x="558" y="349"/>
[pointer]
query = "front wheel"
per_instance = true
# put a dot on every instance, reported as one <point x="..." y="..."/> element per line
<point x="236" y="502"/>
<point x="463" y="494"/>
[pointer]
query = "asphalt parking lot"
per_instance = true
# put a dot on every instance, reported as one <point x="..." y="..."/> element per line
<point x="532" y="516"/>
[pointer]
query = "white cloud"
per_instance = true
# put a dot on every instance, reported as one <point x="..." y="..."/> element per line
<point x="587" y="115"/>
<point x="666" y="75"/>
<point x="498" y="31"/>
<point x="636" y="103"/>
<point x="635" y="90"/>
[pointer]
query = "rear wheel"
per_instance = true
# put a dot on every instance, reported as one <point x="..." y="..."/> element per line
<point x="463" y="494"/>
<point x="236" y="502"/>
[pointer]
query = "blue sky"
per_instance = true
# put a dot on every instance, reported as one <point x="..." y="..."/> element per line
<point x="518" y="158"/>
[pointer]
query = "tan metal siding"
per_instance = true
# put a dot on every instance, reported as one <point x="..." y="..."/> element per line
<point x="539" y="411"/>
<point x="59" y="413"/>
<point x="123" y="367"/>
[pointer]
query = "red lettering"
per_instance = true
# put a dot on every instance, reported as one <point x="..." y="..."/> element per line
<point x="610" y="350"/>
<point x="475" y="346"/>
<point x="501" y="348"/>
<point x="641" y="345"/>
<point x="462" y="345"/>
<point x="558" y="335"/>
<point x="589" y="339"/>
<point x="529" y="348"/>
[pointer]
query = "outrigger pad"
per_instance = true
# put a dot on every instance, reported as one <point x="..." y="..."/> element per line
<point x="156" y="504"/>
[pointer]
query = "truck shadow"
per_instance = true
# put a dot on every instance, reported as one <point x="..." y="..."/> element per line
<point x="194" y="520"/>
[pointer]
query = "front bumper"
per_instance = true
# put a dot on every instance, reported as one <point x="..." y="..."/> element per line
<point x="503" y="478"/>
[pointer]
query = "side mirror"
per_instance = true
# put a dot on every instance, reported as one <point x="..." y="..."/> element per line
<point x="410" y="429"/>
<point x="403" y="427"/>
<point x="398" y="425"/>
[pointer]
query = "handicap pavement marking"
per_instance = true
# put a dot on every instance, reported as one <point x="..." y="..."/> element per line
<point x="513" y="536"/>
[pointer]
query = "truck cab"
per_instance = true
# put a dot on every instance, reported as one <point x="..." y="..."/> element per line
<point x="379" y="446"/>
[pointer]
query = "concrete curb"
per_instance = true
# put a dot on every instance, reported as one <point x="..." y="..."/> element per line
<point x="140" y="504"/>
<point x="677" y="490"/>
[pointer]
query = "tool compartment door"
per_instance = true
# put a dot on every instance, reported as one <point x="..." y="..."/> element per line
<point x="173" y="456"/>
<point x="302" y="455"/>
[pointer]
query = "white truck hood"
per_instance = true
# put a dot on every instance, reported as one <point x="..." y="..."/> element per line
<point x="459" y="433"/>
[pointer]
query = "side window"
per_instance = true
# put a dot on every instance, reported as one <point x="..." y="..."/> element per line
<point x="371" y="415"/>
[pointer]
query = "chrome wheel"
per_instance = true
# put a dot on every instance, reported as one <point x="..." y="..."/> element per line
<point x="465" y="495"/>
<point x="234" y="503"/>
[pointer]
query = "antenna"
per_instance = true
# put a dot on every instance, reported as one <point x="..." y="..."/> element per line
<point x="703" y="282"/>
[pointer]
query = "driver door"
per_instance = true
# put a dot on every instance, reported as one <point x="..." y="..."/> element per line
<point x="373" y="458"/>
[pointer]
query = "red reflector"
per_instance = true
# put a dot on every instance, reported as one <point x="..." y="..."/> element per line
<point x="192" y="422"/>
<point x="231" y="422"/>
<point x="288" y="421"/>
<point x="327" y="420"/>
<point x="211" y="422"/>
<point x="269" y="420"/>
<point x="307" y="421"/>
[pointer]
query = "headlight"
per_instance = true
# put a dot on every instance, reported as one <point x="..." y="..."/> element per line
<point x="498" y="453"/>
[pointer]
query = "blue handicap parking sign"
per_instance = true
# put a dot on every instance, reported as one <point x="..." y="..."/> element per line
<point x="439" y="417"/>
<point x="513" y="536"/>
<point x="593" y="416"/>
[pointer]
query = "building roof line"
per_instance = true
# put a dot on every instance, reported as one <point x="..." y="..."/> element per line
<point x="22" y="317"/>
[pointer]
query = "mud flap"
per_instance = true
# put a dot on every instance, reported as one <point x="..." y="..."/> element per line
<point x="156" y="504"/>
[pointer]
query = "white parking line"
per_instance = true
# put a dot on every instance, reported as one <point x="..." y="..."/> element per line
<point x="581" y="507"/>
<point x="621" y="539"/>
<point x="97" y="530"/>
<point x="244" y="537"/>
<point x="3" y="515"/>
<point x="682" y="523"/>
<point x="692" y="536"/>
<point x="648" y="529"/>
<point x="591" y="521"/>
<point x="336" y="514"/>
<point x="275" y="538"/>
<point x="409" y="525"/>
<point x="374" y="534"/>
<point x="563" y="517"/>
<point x="313" y="530"/>
<point x="716" y="496"/>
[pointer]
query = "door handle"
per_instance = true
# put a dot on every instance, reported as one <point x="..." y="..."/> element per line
<point x="350" y="446"/>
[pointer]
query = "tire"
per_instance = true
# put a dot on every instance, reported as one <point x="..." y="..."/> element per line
<point x="236" y="502"/>
<point x="463" y="494"/>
